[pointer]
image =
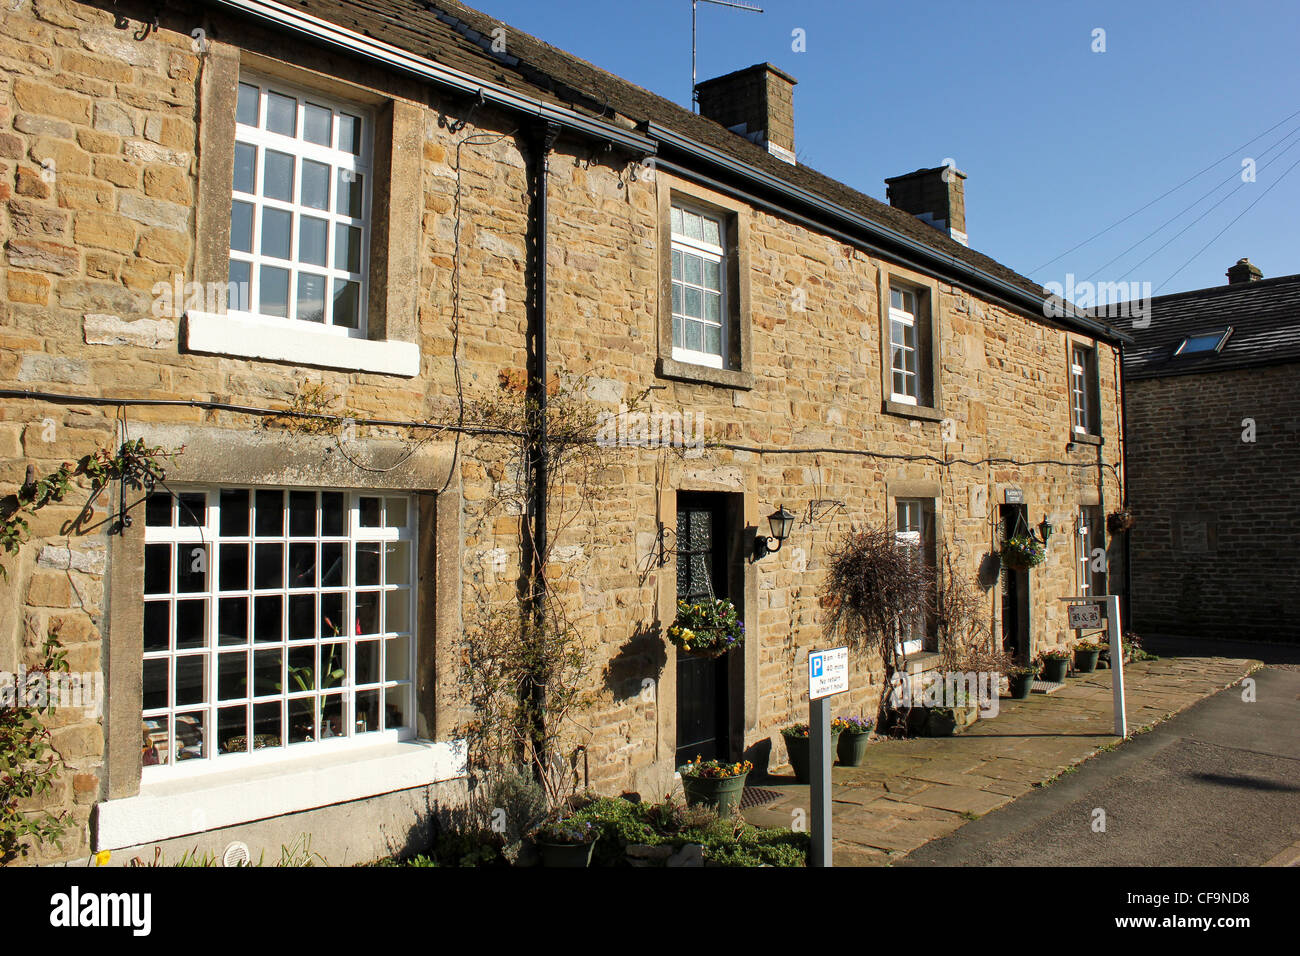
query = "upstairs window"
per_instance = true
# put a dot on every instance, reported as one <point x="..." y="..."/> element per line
<point x="300" y="207"/>
<point x="1085" y="418"/>
<point x="904" y="346"/>
<point x="699" y="290"/>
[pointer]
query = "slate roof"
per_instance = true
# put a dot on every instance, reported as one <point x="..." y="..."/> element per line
<point x="461" y="37"/>
<point x="1265" y="320"/>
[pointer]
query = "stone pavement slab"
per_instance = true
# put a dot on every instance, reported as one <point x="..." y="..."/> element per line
<point x="910" y="792"/>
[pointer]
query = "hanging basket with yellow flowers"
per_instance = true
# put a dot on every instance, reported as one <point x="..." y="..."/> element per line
<point x="709" y="628"/>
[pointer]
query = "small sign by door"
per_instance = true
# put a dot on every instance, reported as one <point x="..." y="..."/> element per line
<point x="1084" y="615"/>
<point x="1015" y="496"/>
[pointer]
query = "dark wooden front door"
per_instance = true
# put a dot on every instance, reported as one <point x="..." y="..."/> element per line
<point x="703" y="685"/>
<point x="1015" y="589"/>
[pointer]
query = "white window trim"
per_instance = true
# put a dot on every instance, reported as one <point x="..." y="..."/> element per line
<point x="913" y="539"/>
<point x="301" y="149"/>
<point x="173" y="808"/>
<point x="210" y="764"/>
<point x="1080" y="393"/>
<point x="716" y="253"/>
<point x="298" y="343"/>
<point x="907" y="320"/>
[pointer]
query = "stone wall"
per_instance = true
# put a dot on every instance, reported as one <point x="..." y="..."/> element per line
<point x="1213" y="487"/>
<point x="100" y="154"/>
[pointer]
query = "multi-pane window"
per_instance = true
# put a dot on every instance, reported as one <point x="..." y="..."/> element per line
<point x="699" y="295"/>
<point x="915" y="529"/>
<point x="274" y="620"/>
<point x="300" y="207"/>
<point x="903" y="346"/>
<point x="1083" y="371"/>
<point x="1091" y="548"/>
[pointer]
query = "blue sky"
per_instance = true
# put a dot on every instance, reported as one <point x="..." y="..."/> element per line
<point x="1058" y="141"/>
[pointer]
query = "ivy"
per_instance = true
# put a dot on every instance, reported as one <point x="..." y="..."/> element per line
<point x="29" y="764"/>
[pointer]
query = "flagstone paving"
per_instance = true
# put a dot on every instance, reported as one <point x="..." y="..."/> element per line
<point x="909" y="792"/>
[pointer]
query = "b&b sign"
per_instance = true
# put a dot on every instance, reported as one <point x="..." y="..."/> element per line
<point x="1084" y="615"/>
<point x="828" y="672"/>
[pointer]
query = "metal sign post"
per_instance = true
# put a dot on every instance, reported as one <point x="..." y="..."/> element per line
<point x="1085" y="612"/>
<point x="828" y="674"/>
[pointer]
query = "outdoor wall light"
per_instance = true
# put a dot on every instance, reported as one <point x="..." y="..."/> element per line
<point x="1044" y="531"/>
<point x="781" y="521"/>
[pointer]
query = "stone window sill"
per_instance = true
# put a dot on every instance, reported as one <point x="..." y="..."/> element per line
<point x="923" y="412"/>
<point x="299" y="344"/>
<point x="922" y="661"/>
<point x="173" y="808"/>
<point x="1081" y="439"/>
<point x="704" y="375"/>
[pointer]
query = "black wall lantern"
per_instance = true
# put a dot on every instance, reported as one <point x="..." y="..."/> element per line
<point x="781" y="521"/>
<point x="1044" y="531"/>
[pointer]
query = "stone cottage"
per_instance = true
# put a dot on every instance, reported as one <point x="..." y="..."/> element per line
<point x="1213" y="398"/>
<point x="328" y="256"/>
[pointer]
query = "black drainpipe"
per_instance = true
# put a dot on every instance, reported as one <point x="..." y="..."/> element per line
<point x="536" y="592"/>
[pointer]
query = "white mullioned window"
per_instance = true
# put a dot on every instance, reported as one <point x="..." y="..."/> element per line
<point x="275" y="622"/>
<point x="1081" y="389"/>
<point x="915" y="529"/>
<point x="699" y="287"/>
<point x="300" y="207"/>
<point x="903" y="346"/>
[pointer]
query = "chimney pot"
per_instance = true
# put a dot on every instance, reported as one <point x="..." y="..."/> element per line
<point x="1243" y="271"/>
<point x="935" y="196"/>
<point x="757" y="103"/>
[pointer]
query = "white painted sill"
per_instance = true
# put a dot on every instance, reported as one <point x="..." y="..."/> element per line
<point x="174" y="808"/>
<point x="298" y="343"/>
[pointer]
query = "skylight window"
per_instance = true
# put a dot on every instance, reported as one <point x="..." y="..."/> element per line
<point x="1200" y="344"/>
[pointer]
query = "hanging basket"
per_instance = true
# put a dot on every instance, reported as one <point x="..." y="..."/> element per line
<point x="1118" y="522"/>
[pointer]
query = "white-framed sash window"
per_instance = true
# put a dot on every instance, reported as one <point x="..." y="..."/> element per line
<point x="1081" y="410"/>
<point x="915" y="529"/>
<point x="903" y="347"/>
<point x="277" y="622"/>
<point x="699" y="292"/>
<point x="300" y="208"/>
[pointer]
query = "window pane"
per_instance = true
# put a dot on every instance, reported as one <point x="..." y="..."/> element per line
<point x="676" y="220"/>
<point x="693" y="305"/>
<point x="232" y="675"/>
<point x="677" y="263"/>
<point x="267" y="624"/>
<point x="347" y="248"/>
<point x="273" y="293"/>
<point x="677" y="326"/>
<point x="350" y="133"/>
<point x="241" y="226"/>
<point x="268" y="566"/>
<point x="370" y="512"/>
<point x="158" y="510"/>
<point x="311" y="297"/>
<point x="281" y="114"/>
<point x="677" y="299"/>
<point x="397" y="658"/>
<point x="347" y="304"/>
<point x="191" y="568"/>
<point x="191" y="510"/>
<point x="711" y="232"/>
<point x="397" y="611"/>
<point x="241" y="275"/>
<point x="349" y="193"/>
<point x="713" y="307"/>
<point x="331" y="564"/>
<point x="157" y="568"/>
<point x="276" y="224"/>
<point x="367" y="666"/>
<point x="317" y="124"/>
<point x="331" y="511"/>
<point x="234" y="566"/>
<point x="713" y="275"/>
<point x="713" y="339"/>
<point x="246" y="106"/>
<point x="234" y="512"/>
<point x="302" y="565"/>
<point x="157" y="626"/>
<point x="315" y="184"/>
<point x="692" y="225"/>
<point x="232" y="729"/>
<point x="191" y="679"/>
<point x="191" y="624"/>
<point x="245" y="167"/>
<point x="277" y="176"/>
<point x="268" y="729"/>
<point x="302" y="513"/>
<point x="155" y="683"/>
<point x="693" y="337"/>
<point x="269" y="510"/>
<point x="397" y="706"/>
<point x="397" y="562"/>
<point x="366" y="563"/>
<point x="267" y="678"/>
<point x="694" y="266"/>
<point x="313" y="236"/>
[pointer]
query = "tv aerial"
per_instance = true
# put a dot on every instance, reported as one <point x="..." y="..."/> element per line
<point x="747" y="7"/>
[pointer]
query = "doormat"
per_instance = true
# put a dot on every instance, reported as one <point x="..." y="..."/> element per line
<point x="1046" y="687"/>
<point x="757" y="797"/>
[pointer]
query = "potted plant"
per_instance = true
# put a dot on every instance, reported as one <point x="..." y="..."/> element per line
<point x="1120" y="521"/>
<point x="707" y="628"/>
<point x="566" y="842"/>
<point x="1020" y="679"/>
<point x="1085" y="656"/>
<point x="796" y="745"/>
<point x="1021" y="552"/>
<point x="715" y="783"/>
<point x="855" y="734"/>
<point x="1056" y="663"/>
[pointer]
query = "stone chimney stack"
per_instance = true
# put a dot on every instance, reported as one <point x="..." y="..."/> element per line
<point x="935" y="196"/>
<point x="1243" y="271"/>
<point x="756" y="103"/>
